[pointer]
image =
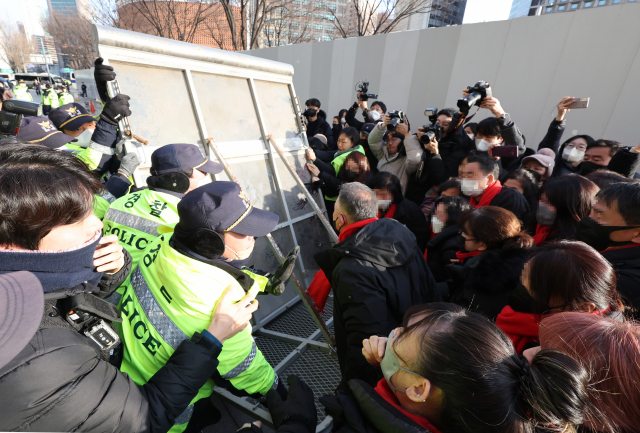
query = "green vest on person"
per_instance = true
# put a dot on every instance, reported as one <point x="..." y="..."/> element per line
<point x="65" y="98"/>
<point x="54" y="99"/>
<point x="101" y="203"/>
<point x="135" y="218"/>
<point x="338" y="162"/>
<point x="21" y="92"/>
<point x="89" y="156"/>
<point x="167" y="298"/>
<point x="45" y="98"/>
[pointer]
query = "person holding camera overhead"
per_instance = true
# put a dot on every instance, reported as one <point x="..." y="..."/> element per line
<point x="373" y="115"/>
<point x="398" y="151"/>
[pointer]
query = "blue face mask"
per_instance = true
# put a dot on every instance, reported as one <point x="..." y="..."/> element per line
<point x="390" y="366"/>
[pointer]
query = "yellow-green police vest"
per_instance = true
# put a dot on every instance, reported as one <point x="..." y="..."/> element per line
<point x="101" y="203"/>
<point x="135" y="218"/>
<point x="167" y="298"/>
<point x="53" y="98"/>
<point x="65" y="98"/>
<point x="338" y="162"/>
<point x="22" y="92"/>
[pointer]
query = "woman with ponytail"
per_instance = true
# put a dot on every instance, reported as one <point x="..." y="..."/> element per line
<point x="560" y="276"/>
<point x="448" y="370"/>
<point x="493" y="251"/>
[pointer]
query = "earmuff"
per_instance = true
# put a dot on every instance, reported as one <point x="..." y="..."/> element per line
<point x="199" y="243"/>
<point x="176" y="182"/>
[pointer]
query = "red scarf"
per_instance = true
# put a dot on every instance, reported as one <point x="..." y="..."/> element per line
<point x="523" y="328"/>
<point x="461" y="256"/>
<point x="487" y="197"/>
<point x="320" y="286"/>
<point x="390" y="213"/>
<point x="542" y="233"/>
<point x="621" y="248"/>
<point x="385" y="392"/>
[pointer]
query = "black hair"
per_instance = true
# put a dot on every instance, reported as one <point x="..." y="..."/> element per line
<point x="313" y="101"/>
<point x="604" y="178"/>
<point x="569" y="272"/>
<point x="341" y="113"/>
<point x="453" y="182"/>
<point x="627" y="196"/>
<point x="455" y="206"/>
<point x="487" y="164"/>
<point x="572" y="196"/>
<point x="41" y="189"/>
<point x="529" y="185"/>
<point x="449" y="112"/>
<point x="489" y="127"/>
<point x="380" y="104"/>
<point x="388" y="181"/>
<point x="484" y="385"/>
<point x="352" y="134"/>
<point x="613" y="145"/>
<point x="472" y="125"/>
<point x="586" y="138"/>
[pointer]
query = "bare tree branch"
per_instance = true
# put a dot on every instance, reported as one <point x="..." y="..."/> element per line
<point x="72" y="34"/>
<point x="16" y="49"/>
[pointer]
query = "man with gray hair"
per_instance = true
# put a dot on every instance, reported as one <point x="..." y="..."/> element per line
<point x="376" y="271"/>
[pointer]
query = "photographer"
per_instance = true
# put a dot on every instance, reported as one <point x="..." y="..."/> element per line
<point x="373" y="115"/>
<point x="402" y="152"/>
<point x="431" y="170"/>
<point x="317" y="123"/>
<point x="454" y="146"/>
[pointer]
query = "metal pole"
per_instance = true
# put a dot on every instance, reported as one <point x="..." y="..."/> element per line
<point x="302" y="290"/>
<point x="44" y="56"/>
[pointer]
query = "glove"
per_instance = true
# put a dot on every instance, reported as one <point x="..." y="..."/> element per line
<point x="299" y="408"/>
<point x="102" y="74"/>
<point x="116" y="109"/>
<point x="281" y="277"/>
<point x="129" y="164"/>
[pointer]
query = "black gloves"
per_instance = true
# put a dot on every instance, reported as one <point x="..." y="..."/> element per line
<point x="102" y="74"/>
<point x="129" y="164"/>
<point x="278" y="282"/>
<point x="298" y="409"/>
<point x="116" y="109"/>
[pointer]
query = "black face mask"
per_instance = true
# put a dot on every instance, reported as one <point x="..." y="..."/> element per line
<point x="311" y="112"/>
<point x="521" y="300"/>
<point x="461" y="240"/>
<point x="588" y="167"/>
<point x="351" y="175"/>
<point x="537" y="176"/>
<point x="597" y="235"/>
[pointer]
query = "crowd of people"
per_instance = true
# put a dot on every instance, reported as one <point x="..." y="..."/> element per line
<point x="472" y="292"/>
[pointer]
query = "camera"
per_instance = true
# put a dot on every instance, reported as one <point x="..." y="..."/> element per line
<point x="397" y="117"/>
<point x="363" y="88"/>
<point x="432" y="114"/>
<point x="477" y="93"/>
<point x="430" y="132"/>
<point x="12" y="112"/>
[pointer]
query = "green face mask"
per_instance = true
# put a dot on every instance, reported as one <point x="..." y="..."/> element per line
<point x="390" y="365"/>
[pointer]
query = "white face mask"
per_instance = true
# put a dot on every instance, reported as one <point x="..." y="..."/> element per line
<point x="374" y="115"/>
<point x="482" y="145"/>
<point x="470" y="187"/>
<point x="84" y="139"/>
<point x="471" y="136"/>
<point x="343" y="120"/>
<point x="242" y="255"/>
<point x="573" y="155"/>
<point x="436" y="224"/>
<point x="384" y="204"/>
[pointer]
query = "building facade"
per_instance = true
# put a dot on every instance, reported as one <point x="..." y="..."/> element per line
<point x="443" y="13"/>
<point x="519" y="8"/>
<point x="69" y="7"/>
<point x="540" y="7"/>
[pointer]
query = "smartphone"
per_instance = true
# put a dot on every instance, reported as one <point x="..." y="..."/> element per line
<point x="579" y="103"/>
<point x="505" y="151"/>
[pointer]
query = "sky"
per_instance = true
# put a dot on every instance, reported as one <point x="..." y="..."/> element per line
<point x="11" y="9"/>
<point x="478" y="11"/>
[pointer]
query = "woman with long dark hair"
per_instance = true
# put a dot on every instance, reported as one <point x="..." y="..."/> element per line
<point x="564" y="201"/>
<point x="560" y="276"/>
<point x="493" y="250"/>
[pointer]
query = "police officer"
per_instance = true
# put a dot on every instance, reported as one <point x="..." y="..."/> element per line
<point x="176" y="169"/>
<point x="51" y="97"/>
<point x="64" y="96"/>
<point x="181" y="276"/>
<point x="46" y="99"/>
<point x="21" y="91"/>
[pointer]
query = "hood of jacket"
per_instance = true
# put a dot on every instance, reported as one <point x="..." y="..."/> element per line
<point x="384" y="242"/>
<point x="495" y="271"/>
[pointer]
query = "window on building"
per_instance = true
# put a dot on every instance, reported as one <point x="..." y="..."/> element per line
<point x="318" y="26"/>
<point x="307" y="26"/>
<point x="305" y="2"/>
<point x="332" y="7"/>
<point x="294" y="24"/>
<point x="319" y="4"/>
<point x="318" y="16"/>
<point x="561" y="8"/>
<point x="268" y="31"/>
<point x="327" y="38"/>
<point x="574" y="6"/>
<point x="588" y="4"/>
<point x="330" y="17"/>
<point x="550" y="2"/>
<point x="549" y="9"/>
<point x="602" y="2"/>
<point x="615" y="2"/>
<point x="281" y="10"/>
<point x="329" y="28"/>
<point x="295" y="34"/>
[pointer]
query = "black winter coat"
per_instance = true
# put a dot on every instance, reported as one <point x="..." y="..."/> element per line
<point x="626" y="263"/>
<point x="376" y="274"/>
<point x="513" y="201"/>
<point x="484" y="282"/>
<point x="453" y="150"/>
<point x="321" y="126"/>
<point x="59" y="383"/>
<point x="440" y="250"/>
<point x="430" y="173"/>
<point x="350" y="117"/>
<point x="410" y="215"/>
